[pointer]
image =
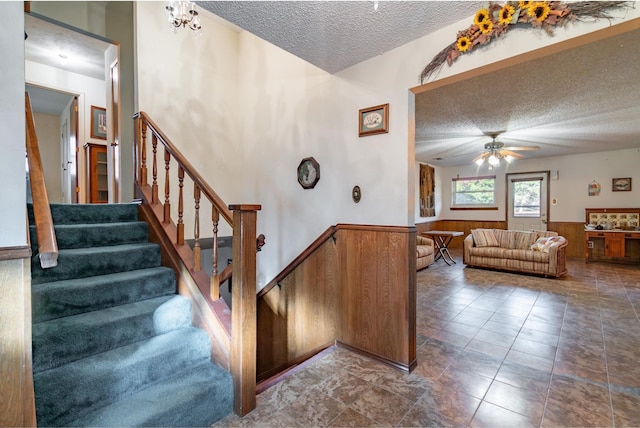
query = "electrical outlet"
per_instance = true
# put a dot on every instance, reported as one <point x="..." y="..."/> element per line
<point x="590" y="244"/>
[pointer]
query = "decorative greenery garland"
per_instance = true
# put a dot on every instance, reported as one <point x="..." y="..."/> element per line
<point x="496" y="20"/>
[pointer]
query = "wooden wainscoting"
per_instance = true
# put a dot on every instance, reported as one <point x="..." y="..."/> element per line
<point x="573" y="231"/>
<point x="355" y="285"/>
<point x="376" y="267"/>
<point x="297" y="315"/>
<point x="464" y="226"/>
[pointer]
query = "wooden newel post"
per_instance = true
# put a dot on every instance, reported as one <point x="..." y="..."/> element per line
<point x="243" y="312"/>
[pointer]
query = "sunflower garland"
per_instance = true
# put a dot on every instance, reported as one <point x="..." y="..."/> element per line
<point x="496" y="19"/>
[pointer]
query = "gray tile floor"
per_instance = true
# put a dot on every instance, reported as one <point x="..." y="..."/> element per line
<point x="494" y="349"/>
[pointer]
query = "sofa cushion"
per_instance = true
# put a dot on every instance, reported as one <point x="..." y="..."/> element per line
<point x="513" y="254"/>
<point x="484" y="238"/>
<point x="518" y="240"/>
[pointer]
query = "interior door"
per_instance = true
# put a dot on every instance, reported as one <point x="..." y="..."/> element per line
<point x="527" y="201"/>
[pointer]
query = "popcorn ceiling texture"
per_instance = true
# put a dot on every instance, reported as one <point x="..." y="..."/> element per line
<point x="334" y="35"/>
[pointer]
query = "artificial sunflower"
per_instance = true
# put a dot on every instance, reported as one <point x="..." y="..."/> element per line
<point x="539" y="10"/>
<point x="463" y="43"/>
<point x="486" y="26"/>
<point x="481" y="16"/>
<point x="506" y="14"/>
<point x="524" y="5"/>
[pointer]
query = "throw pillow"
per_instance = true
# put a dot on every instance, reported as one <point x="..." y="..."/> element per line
<point x="484" y="238"/>
<point x="543" y="244"/>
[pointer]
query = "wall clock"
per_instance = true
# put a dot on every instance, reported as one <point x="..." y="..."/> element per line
<point x="308" y="173"/>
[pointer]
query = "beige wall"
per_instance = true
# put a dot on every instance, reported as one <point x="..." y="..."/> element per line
<point x="48" y="131"/>
<point x="246" y="112"/>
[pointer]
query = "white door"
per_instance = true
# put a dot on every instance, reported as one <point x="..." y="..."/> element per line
<point x="66" y="163"/>
<point x="527" y="204"/>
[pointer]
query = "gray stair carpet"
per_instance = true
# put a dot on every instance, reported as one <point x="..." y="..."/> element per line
<point x="113" y="344"/>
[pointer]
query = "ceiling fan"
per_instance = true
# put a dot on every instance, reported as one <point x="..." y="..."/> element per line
<point x="495" y="151"/>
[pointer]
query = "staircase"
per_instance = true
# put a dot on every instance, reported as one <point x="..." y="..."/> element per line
<point x="113" y="344"/>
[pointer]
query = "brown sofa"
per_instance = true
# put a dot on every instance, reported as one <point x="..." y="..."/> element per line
<point x="425" y="252"/>
<point x="538" y="252"/>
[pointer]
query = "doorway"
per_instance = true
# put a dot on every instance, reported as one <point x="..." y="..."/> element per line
<point x="527" y="201"/>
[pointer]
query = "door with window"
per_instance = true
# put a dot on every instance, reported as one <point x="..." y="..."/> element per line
<point x="527" y="201"/>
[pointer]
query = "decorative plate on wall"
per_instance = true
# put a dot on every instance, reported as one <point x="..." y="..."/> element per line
<point x="308" y="173"/>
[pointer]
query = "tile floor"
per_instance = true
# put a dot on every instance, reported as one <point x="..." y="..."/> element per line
<point x="494" y="349"/>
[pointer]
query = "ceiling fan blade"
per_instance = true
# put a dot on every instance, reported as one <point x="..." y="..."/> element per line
<point x="522" y="148"/>
<point x="506" y="153"/>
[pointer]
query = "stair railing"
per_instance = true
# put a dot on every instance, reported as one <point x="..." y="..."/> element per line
<point x="47" y="243"/>
<point x="238" y="219"/>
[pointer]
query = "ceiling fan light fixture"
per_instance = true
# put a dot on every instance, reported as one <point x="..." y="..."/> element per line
<point x="509" y="158"/>
<point x="493" y="160"/>
<point x="480" y="161"/>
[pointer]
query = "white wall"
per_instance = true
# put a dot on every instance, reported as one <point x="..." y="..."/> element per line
<point x="245" y="113"/>
<point x="13" y="195"/>
<point x="48" y="131"/>
<point x="570" y="190"/>
<point x="90" y="92"/>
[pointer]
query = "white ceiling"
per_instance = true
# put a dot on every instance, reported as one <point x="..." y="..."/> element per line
<point x="45" y="43"/>
<point x="334" y="35"/>
<point x="584" y="100"/>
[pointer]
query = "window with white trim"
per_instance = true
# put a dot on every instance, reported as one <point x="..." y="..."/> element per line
<point x="474" y="191"/>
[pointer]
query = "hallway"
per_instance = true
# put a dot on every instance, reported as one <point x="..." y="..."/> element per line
<point x="494" y="349"/>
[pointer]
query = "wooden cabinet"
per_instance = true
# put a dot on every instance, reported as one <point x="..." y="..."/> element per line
<point x="97" y="173"/>
<point x="614" y="245"/>
<point x="622" y="246"/>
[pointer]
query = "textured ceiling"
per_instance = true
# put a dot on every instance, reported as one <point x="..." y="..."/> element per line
<point x="578" y="101"/>
<point x="46" y="42"/>
<point x="583" y="100"/>
<point x="334" y="35"/>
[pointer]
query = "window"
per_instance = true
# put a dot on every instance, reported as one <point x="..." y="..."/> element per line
<point x="474" y="192"/>
<point x="526" y="197"/>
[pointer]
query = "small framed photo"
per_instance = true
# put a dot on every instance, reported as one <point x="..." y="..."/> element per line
<point x="98" y="123"/>
<point x="374" y="120"/>
<point x="621" y="184"/>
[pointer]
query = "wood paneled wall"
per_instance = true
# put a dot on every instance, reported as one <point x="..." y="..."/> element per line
<point x="574" y="232"/>
<point x="376" y="267"/>
<point x="17" y="405"/>
<point x="298" y="317"/>
<point x="357" y="288"/>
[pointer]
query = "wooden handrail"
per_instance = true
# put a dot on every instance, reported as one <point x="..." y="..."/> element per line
<point x="47" y="243"/>
<point x="240" y="343"/>
<point x="188" y="168"/>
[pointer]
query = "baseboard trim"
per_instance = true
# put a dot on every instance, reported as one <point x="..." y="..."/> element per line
<point x="407" y="368"/>
<point x="15" y="253"/>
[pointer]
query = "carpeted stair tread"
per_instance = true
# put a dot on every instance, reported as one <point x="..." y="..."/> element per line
<point x="70" y="391"/>
<point x="84" y="262"/>
<point x="63" y="340"/>
<point x="197" y="398"/>
<point x="58" y="299"/>
<point x="95" y="235"/>
<point x="113" y="344"/>
<point x="89" y="213"/>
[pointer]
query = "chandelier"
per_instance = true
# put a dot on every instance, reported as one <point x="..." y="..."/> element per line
<point x="183" y="14"/>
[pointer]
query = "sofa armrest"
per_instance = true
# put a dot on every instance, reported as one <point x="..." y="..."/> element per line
<point x="466" y="247"/>
<point x="557" y="256"/>
<point x="423" y="240"/>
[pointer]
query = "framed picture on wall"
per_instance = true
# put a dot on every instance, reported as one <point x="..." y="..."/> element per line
<point x="98" y="123"/>
<point x="374" y="120"/>
<point x="621" y="184"/>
